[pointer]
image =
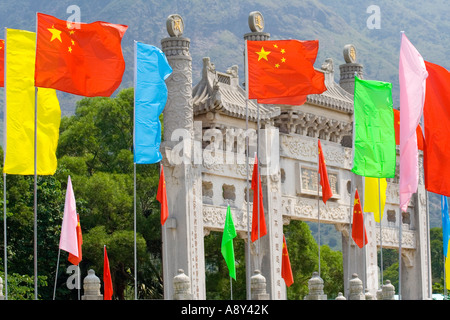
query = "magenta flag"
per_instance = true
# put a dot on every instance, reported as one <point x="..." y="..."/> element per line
<point x="412" y="78"/>
<point x="68" y="240"/>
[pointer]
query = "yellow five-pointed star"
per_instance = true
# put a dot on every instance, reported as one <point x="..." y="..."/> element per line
<point x="356" y="201"/>
<point x="263" y="54"/>
<point x="56" y="34"/>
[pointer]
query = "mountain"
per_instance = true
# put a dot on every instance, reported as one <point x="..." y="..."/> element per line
<point x="216" y="29"/>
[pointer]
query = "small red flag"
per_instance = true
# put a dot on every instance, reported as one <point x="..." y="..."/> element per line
<point x="282" y="71"/>
<point x="358" y="229"/>
<point x="79" y="58"/>
<point x="436" y="115"/>
<point x="161" y="196"/>
<point x="326" y="189"/>
<point x="2" y="63"/>
<point x="419" y="133"/>
<point x="107" y="281"/>
<point x="257" y="189"/>
<point x="73" y="259"/>
<point x="286" y="270"/>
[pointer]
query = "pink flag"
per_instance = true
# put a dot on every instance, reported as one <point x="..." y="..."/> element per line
<point x="412" y="78"/>
<point x="68" y="240"/>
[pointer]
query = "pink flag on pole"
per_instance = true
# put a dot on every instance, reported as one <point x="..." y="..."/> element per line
<point x="68" y="240"/>
<point x="412" y="78"/>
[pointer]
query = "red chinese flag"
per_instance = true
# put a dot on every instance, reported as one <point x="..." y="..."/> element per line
<point x="282" y="71"/>
<point x="107" y="281"/>
<point x="79" y="58"/>
<point x="420" y="138"/>
<point x="358" y="229"/>
<point x="257" y="189"/>
<point x="326" y="189"/>
<point x="286" y="270"/>
<point x="2" y="63"/>
<point x="73" y="259"/>
<point x="436" y="115"/>
<point x="161" y="196"/>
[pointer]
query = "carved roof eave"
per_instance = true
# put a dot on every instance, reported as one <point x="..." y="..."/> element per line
<point x="212" y="95"/>
<point x="334" y="97"/>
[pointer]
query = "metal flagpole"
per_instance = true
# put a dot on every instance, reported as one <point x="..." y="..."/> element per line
<point x="4" y="235"/>
<point x="400" y="224"/>
<point x="318" y="204"/>
<point x="135" y="251"/>
<point x="352" y="196"/>
<point x="4" y="177"/>
<point x="381" y="235"/>
<point x="247" y="166"/>
<point x="35" y="195"/>
<point x="56" y="274"/>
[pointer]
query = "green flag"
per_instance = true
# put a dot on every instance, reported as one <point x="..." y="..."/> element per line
<point x="374" y="133"/>
<point x="229" y="232"/>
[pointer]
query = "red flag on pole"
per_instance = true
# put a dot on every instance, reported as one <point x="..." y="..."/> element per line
<point x="73" y="259"/>
<point x="286" y="270"/>
<point x="282" y="71"/>
<point x="419" y="133"/>
<point x="257" y="216"/>
<point x="358" y="229"/>
<point x="2" y="63"/>
<point x="161" y="196"/>
<point x="79" y="58"/>
<point x="107" y="281"/>
<point x="326" y="189"/>
<point x="436" y="115"/>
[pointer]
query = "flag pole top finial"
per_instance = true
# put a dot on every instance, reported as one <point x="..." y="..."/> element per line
<point x="256" y="21"/>
<point x="175" y="25"/>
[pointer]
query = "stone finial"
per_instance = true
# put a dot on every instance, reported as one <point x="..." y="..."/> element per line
<point x="256" y="25"/>
<point x="91" y="286"/>
<point x="368" y="295"/>
<point x="348" y="69"/>
<point x="315" y="286"/>
<point x="356" y="288"/>
<point x="175" y="25"/>
<point x="258" y="286"/>
<point x="388" y="291"/>
<point x="181" y="286"/>
<point x="340" y="296"/>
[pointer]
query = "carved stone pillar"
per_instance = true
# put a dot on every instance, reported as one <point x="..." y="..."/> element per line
<point x="91" y="286"/>
<point x="182" y="235"/>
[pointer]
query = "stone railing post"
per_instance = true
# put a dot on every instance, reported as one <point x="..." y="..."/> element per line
<point x="91" y="286"/>
<point x="356" y="288"/>
<point x="315" y="286"/>
<point x="258" y="287"/>
<point x="388" y="291"/>
<point x="181" y="286"/>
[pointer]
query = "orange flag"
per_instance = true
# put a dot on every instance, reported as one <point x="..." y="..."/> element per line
<point x="358" y="229"/>
<point x="2" y="63"/>
<point x="107" y="281"/>
<point x="326" y="189"/>
<point x="282" y="71"/>
<point x="257" y="189"/>
<point x="286" y="270"/>
<point x="73" y="259"/>
<point x="79" y="58"/>
<point x="161" y="196"/>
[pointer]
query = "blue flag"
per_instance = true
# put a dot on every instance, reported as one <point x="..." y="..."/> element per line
<point x="150" y="97"/>
<point x="445" y="223"/>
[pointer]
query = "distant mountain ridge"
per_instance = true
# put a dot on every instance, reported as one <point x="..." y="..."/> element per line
<point x="216" y="29"/>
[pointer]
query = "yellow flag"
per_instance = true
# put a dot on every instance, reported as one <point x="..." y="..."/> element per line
<point x="20" y="110"/>
<point x="371" y="199"/>
<point x="447" y="270"/>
